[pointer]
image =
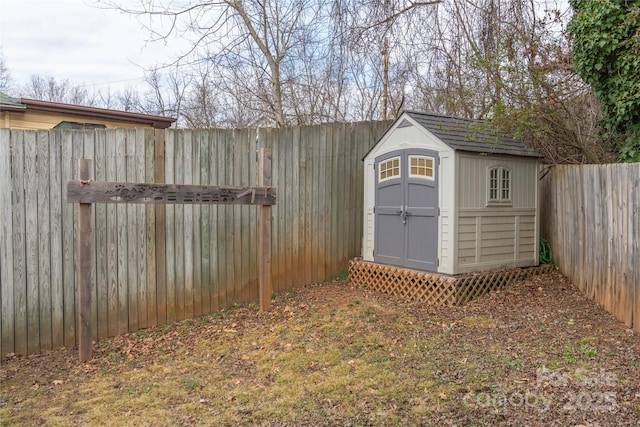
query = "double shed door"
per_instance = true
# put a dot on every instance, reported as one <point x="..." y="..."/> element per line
<point x="406" y="209"/>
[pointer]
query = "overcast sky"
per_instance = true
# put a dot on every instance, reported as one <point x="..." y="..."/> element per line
<point x="71" y="39"/>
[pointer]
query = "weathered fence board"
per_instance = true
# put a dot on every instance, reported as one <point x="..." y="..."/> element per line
<point x="155" y="264"/>
<point x="591" y="219"/>
<point x="19" y="249"/>
<point x="7" y="316"/>
<point x="32" y="263"/>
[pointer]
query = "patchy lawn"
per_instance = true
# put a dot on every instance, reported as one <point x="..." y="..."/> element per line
<point x="536" y="353"/>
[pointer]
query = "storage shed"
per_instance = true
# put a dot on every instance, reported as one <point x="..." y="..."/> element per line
<point x="449" y="195"/>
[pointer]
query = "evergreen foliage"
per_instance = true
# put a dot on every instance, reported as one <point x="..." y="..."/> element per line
<point x="606" y="51"/>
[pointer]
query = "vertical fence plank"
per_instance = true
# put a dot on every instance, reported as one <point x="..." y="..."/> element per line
<point x="225" y="222"/>
<point x="202" y="164"/>
<point x="236" y="178"/>
<point x="306" y="186"/>
<point x="112" y="234"/>
<point x="141" y="231"/>
<point x="214" y="267"/>
<point x="578" y="258"/>
<point x="277" y="242"/>
<point x="88" y="152"/>
<point x="32" y="264"/>
<point x="316" y="209"/>
<point x="239" y="216"/>
<point x="132" y="234"/>
<point x="610" y="203"/>
<point x="352" y="182"/>
<point x="250" y="218"/>
<point x="85" y="267"/>
<point x="634" y="254"/>
<point x="287" y="224"/>
<point x="342" y="189"/>
<point x="71" y="152"/>
<point x="7" y="310"/>
<point x="19" y="248"/>
<point x="179" y="230"/>
<point x="170" y="235"/>
<point x="150" y="234"/>
<point x="190" y="258"/>
<point x="160" y="231"/>
<point x="120" y="158"/>
<point x="588" y="237"/>
<point x="324" y="204"/>
<point x="623" y="307"/>
<point x="56" y="203"/>
<point x="294" y="184"/>
<point x="336" y="142"/>
<point x="44" y="240"/>
<point x="101" y="300"/>
<point x="290" y="235"/>
<point x="253" y="215"/>
<point x="246" y="156"/>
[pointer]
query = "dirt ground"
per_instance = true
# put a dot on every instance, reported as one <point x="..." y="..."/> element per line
<point x="535" y="353"/>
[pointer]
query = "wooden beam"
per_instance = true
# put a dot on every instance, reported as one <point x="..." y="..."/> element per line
<point x="122" y="192"/>
<point x="264" y="231"/>
<point x="85" y="192"/>
<point x="85" y="255"/>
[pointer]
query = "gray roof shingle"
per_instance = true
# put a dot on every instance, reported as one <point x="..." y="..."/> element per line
<point x="470" y="135"/>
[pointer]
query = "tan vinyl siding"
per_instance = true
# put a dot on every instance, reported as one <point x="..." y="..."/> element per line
<point x="495" y="235"/>
<point x="496" y="239"/>
<point x="473" y="180"/>
<point x="45" y="120"/>
<point x="445" y="236"/>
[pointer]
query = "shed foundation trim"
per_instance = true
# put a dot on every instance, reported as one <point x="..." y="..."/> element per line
<point x="433" y="288"/>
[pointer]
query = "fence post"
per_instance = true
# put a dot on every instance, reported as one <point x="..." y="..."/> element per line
<point x="85" y="254"/>
<point x="264" y="231"/>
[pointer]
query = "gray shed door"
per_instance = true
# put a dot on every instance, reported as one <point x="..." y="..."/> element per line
<point x="406" y="209"/>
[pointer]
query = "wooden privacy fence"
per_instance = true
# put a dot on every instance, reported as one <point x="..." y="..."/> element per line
<point x="591" y="216"/>
<point x="156" y="264"/>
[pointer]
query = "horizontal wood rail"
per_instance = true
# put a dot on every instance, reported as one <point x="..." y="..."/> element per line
<point x="123" y="192"/>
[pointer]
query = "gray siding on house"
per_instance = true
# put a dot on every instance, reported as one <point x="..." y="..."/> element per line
<point x="495" y="236"/>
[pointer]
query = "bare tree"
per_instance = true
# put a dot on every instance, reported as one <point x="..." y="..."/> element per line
<point x="51" y="89"/>
<point x="266" y="62"/>
<point x="5" y="76"/>
<point x="509" y="61"/>
<point x="251" y="34"/>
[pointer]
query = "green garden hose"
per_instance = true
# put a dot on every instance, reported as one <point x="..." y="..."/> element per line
<point x="545" y="251"/>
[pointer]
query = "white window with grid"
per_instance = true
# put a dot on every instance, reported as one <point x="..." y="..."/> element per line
<point x="389" y="169"/>
<point x="421" y="167"/>
<point x="499" y="178"/>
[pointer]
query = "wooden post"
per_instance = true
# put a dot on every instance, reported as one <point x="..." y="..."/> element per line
<point x="86" y="192"/>
<point x="85" y="255"/>
<point x="264" y="232"/>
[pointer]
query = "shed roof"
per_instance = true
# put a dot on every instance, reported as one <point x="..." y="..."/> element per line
<point x="468" y="135"/>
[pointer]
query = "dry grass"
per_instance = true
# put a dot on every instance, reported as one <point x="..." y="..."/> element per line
<point x="332" y="354"/>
